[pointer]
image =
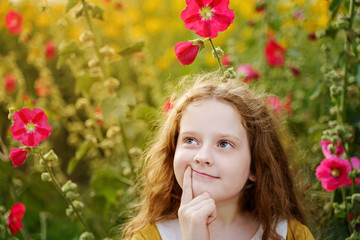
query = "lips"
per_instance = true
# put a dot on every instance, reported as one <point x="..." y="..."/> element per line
<point x="205" y="175"/>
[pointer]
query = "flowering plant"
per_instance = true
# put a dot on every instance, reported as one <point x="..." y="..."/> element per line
<point x="85" y="81"/>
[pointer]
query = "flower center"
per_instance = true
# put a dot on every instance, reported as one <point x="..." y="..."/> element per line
<point x="206" y="13"/>
<point x="30" y="127"/>
<point x="335" y="172"/>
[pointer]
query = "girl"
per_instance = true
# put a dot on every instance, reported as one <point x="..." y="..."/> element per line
<point x="217" y="170"/>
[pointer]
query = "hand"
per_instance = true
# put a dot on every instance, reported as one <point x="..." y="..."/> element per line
<point x="195" y="214"/>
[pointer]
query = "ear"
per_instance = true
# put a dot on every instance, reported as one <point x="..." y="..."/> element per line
<point x="252" y="177"/>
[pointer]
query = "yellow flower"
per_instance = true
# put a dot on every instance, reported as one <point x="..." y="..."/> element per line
<point x="154" y="25"/>
<point x="285" y="6"/>
<point x="240" y="47"/>
<point x="247" y="32"/>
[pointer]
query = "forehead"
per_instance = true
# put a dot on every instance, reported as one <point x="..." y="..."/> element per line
<point x="211" y="115"/>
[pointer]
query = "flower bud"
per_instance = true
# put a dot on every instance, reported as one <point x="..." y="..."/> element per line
<point x="328" y="207"/>
<point x="89" y="123"/>
<point x="69" y="212"/>
<point x="11" y="113"/>
<point x="230" y="73"/>
<point x="86" y="36"/>
<point x="79" y="11"/>
<point x="51" y="156"/>
<point x="112" y="83"/>
<point x="77" y="204"/>
<point x="86" y="236"/>
<point x="219" y="52"/>
<point x="71" y="195"/>
<point x="334" y="139"/>
<point x="135" y="152"/>
<point x="2" y="209"/>
<point x="113" y="131"/>
<point x="355" y="197"/>
<point x="107" y="144"/>
<point x="81" y="103"/>
<point x="93" y="62"/>
<point x="107" y="51"/>
<point x="331" y="148"/>
<point x="45" y="176"/>
<point x="333" y="124"/>
<point x="69" y="186"/>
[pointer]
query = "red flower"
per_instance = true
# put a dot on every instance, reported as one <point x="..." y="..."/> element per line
<point x="10" y="83"/>
<point x="186" y="52"/>
<point x="14" y="219"/>
<point x="312" y="36"/>
<point x="248" y="71"/>
<point x="168" y="106"/>
<point x="118" y="6"/>
<point x="99" y="116"/>
<point x="50" y="50"/>
<point x="225" y="60"/>
<point x="275" y="54"/>
<point x="30" y="127"/>
<point x="355" y="161"/>
<point x="295" y="71"/>
<point x="207" y="17"/>
<point x="275" y="103"/>
<point x="333" y="173"/>
<point x="13" y="22"/>
<point x="42" y="86"/>
<point x="17" y="156"/>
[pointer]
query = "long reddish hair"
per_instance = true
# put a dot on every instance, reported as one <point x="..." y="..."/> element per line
<point x="269" y="199"/>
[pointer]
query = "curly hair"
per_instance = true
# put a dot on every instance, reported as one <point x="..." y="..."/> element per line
<point x="269" y="199"/>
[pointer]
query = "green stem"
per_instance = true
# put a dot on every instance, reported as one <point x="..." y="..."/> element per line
<point x="91" y="27"/>
<point x="58" y="188"/>
<point x="216" y="55"/>
<point x="343" y="193"/>
<point x="126" y="148"/>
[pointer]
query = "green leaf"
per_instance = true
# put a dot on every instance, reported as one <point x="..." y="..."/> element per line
<point x="145" y="112"/>
<point x="334" y="7"/>
<point x="137" y="47"/>
<point x="317" y="91"/>
<point x="105" y="182"/>
<point x="80" y="153"/>
<point x="114" y="108"/>
<point x="97" y="13"/>
<point x="84" y="82"/>
<point x="357" y="74"/>
<point x="66" y="52"/>
<point x="71" y="4"/>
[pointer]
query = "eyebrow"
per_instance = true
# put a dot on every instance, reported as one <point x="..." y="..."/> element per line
<point x="221" y="135"/>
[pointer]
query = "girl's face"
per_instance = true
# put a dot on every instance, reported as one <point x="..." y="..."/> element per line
<point x="214" y="143"/>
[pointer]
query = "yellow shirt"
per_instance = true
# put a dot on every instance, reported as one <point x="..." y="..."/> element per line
<point x="296" y="231"/>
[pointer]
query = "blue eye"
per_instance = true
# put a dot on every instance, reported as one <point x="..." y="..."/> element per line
<point x="224" y="144"/>
<point x="190" y="141"/>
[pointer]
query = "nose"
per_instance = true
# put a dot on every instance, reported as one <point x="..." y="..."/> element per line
<point x="203" y="159"/>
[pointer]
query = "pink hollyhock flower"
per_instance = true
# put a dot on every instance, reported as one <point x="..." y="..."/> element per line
<point x="42" y="87"/>
<point x="99" y="116"/>
<point x="274" y="53"/>
<point x="30" y="127"/>
<point x="13" y="22"/>
<point x="225" y="60"/>
<point x="186" y="52"/>
<point x="275" y="103"/>
<point x="10" y="83"/>
<point x="168" y="106"/>
<point x="248" y="71"/>
<point x="333" y="173"/>
<point x="17" y="156"/>
<point x="207" y="17"/>
<point x="14" y="219"/>
<point x="327" y="153"/>
<point x="50" y="50"/>
<point x="295" y="71"/>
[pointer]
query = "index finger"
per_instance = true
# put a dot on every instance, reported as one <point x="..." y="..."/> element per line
<point x="187" y="194"/>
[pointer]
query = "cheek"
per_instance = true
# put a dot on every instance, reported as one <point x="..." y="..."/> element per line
<point x="181" y="160"/>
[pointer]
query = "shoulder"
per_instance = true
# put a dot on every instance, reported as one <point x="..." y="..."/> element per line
<point x="298" y="231"/>
<point x="149" y="232"/>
